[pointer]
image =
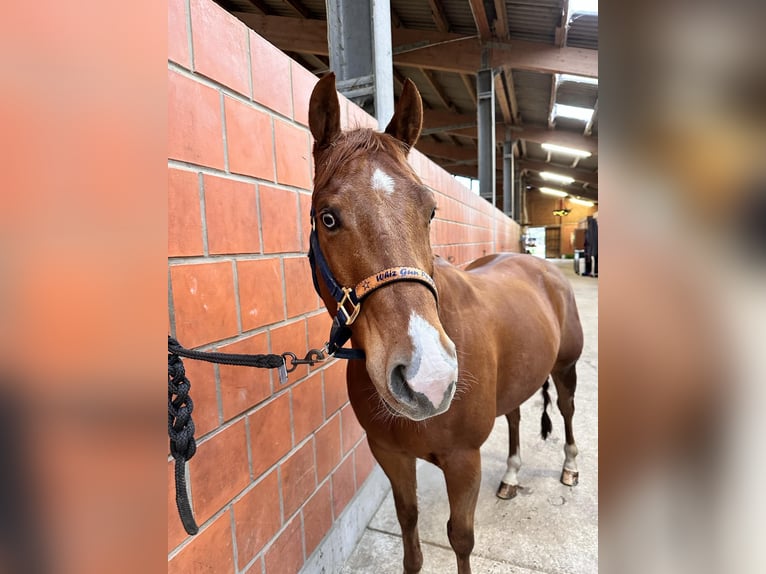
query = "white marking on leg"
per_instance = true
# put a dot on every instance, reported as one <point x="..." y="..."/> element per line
<point x="511" y="475"/>
<point x="570" y="452"/>
<point x="381" y="181"/>
<point x="432" y="368"/>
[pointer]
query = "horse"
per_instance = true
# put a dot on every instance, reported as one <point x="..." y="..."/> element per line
<point x="445" y="350"/>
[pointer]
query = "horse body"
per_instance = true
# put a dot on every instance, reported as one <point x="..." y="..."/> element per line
<point x="437" y="372"/>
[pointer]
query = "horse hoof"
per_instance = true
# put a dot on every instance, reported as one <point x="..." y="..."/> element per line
<point x="569" y="477"/>
<point x="507" y="491"/>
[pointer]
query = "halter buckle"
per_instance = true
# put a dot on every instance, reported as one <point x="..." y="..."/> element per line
<point x="350" y="316"/>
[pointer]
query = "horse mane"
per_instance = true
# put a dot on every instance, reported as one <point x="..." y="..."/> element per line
<point x="352" y="144"/>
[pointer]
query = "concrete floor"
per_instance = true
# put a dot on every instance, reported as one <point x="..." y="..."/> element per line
<point x="548" y="527"/>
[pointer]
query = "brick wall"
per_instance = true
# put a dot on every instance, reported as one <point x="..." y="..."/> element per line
<point x="276" y="464"/>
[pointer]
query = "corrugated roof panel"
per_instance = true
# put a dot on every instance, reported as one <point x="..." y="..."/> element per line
<point x="577" y="94"/>
<point x="535" y="22"/>
<point x="414" y="15"/>
<point x="583" y="31"/>
<point x="460" y="17"/>
<point x="533" y="94"/>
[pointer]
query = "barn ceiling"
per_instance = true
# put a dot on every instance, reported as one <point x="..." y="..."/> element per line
<point x="544" y="52"/>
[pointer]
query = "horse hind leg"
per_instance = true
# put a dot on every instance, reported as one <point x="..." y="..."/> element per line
<point x="510" y="483"/>
<point x="566" y="383"/>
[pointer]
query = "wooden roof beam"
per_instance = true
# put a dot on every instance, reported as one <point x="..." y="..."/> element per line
<point x="480" y="18"/>
<point x="562" y="30"/>
<point x="440" y="93"/>
<point x="465" y="125"/>
<point x="440" y="18"/>
<point x="552" y="102"/>
<point x="502" y="99"/>
<point x="589" y="126"/>
<point x="431" y="49"/>
<point x="501" y="24"/>
<point x="512" y="95"/>
<point x="470" y="86"/>
<point x="446" y="151"/>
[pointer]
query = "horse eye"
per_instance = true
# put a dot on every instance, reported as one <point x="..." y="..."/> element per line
<point x="328" y="220"/>
<point x="433" y="213"/>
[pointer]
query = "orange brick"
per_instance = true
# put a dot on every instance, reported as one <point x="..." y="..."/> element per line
<point x="260" y="292"/>
<point x="292" y="149"/>
<point x="219" y="470"/>
<point x="303" y="84"/>
<point x="319" y="329"/>
<point x="184" y="220"/>
<point x="176" y="532"/>
<point x="231" y="213"/>
<point x="335" y="392"/>
<point x="342" y="485"/>
<point x="352" y="431"/>
<point x="270" y="437"/>
<point x="286" y="553"/>
<point x="249" y="140"/>
<point x="279" y="220"/>
<point x="271" y="75"/>
<point x="364" y="462"/>
<point x="201" y="376"/>
<point x="257" y="518"/>
<point x="209" y="551"/>
<point x="317" y="517"/>
<point x="220" y="46"/>
<point x="358" y="118"/>
<point x="203" y="299"/>
<point x="307" y="406"/>
<point x="298" y="478"/>
<point x="178" y="38"/>
<point x="291" y="338"/>
<point x="244" y="387"/>
<point x="304" y="221"/>
<point x="328" y="447"/>
<point x="299" y="289"/>
<point x="195" y="132"/>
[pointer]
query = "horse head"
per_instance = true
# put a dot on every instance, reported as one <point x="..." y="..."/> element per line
<point x="371" y="218"/>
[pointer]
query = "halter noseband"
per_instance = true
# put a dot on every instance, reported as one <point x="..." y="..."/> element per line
<point x="350" y="299"/>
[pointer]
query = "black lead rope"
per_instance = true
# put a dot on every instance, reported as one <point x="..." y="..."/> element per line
<point x="180" y="406"/>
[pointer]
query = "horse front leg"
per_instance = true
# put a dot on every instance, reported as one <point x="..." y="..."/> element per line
<point x="400" y="470"/>
<point x="462" y="472"/>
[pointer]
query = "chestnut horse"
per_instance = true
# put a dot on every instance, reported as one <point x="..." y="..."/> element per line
<point x="445" y="350"/>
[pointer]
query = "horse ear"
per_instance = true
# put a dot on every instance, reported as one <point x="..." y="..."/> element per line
<point x="408" y="117"/>
<point x="324" y="111"/>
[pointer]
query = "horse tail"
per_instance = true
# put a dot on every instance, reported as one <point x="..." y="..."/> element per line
<point x="545" y="423"/>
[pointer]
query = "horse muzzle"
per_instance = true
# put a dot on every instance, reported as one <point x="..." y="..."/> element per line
<point x="423" y="384"/>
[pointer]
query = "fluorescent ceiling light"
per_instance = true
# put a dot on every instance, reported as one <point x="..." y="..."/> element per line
<point x="550" y="176"/>
<point x="551" y="191"/>
<point x="566" y="150"/>
<point x="581" y="202"/>
<point x="574" y="112"/>
<point x="578" y="79"/>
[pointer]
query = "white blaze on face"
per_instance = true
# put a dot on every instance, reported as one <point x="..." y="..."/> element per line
<point x="432" y="368"/>
<point x="381" y="181"/>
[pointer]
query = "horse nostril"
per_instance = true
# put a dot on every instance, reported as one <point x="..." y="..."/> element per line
<point x="399" y="386"/>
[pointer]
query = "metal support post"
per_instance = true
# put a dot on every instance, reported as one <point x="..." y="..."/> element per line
<point x="485" y="112"/>
<point x="359" y="40"/>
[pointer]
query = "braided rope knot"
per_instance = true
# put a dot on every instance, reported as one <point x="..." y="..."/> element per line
<point x="181" y="433"/>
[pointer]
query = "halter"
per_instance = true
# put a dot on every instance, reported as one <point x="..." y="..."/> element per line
<point x="350" y="299"/>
